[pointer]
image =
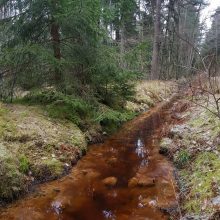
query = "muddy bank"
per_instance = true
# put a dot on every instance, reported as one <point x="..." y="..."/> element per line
<point x="123" y="178"/>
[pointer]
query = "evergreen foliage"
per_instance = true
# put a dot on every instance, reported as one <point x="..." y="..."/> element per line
<point x="76" y="109"/>
<point x="64" y="48"/>
<point x="92" y="50"/>
<point x="36" y="54"/>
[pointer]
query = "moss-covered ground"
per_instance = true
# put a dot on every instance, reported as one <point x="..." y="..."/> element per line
<point x="34" y="148"/>
<point x="194" y="146"/>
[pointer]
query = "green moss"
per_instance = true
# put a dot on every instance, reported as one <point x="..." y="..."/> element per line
<point x="182" y="158"/>
<point x="6" y="125"/>
<point x="47" y="169"/>
<point x="23" y="164"/>
<point x="205" y="170"/>
<point x="215" y="131"/>
<point x="12" y="181"/>
<point x="207" y="120"/>
<point x="31" y="140"/>
<point x="213" y="124"/>
<point x="78" y="139"/>
<point x="55" y="167"/>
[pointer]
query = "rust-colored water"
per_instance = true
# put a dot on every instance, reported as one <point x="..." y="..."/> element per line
<point x="132" y="152"/>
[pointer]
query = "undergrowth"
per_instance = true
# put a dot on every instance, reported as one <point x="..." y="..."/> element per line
<point x="76" y="109"/>
<point x="208" y="120"/>
<point x="24" y="164"/>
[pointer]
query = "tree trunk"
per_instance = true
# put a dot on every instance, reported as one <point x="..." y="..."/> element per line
<point x="122" y="46"/>
<point x="155" y="68"/>
<point x="55" y="36"/>
<point x="117" y="35"/>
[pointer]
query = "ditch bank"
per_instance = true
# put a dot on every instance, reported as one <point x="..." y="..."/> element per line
<point x="193" y="146"/>
<point x="123" y="178"/>
<point x="35" y="147"/>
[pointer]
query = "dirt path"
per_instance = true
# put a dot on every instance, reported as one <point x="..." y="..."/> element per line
<point x="124" y="178"/>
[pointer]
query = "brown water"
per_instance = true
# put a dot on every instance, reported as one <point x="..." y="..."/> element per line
<point x="132" y="152"/>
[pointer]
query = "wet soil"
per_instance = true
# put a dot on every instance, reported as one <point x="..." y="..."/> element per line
<point x="141" y="187"/>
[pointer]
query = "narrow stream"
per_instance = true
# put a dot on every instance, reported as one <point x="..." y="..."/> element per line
<point x="144" y="186"/>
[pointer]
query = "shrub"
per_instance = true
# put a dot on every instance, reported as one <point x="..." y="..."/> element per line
<point x="24" y="164"/>
<point x="59" y="105"/>
<point x="111" y="119"/>
<point x="77" y="110"/>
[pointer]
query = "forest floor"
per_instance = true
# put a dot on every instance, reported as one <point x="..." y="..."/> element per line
<point x="193" y="145"/>
<point x="35" y="148"/>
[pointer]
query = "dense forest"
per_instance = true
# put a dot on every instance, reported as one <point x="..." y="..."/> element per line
<point x="94" y="51"/>
<point x="99" y="47"/>
<point x="73" y="71"/>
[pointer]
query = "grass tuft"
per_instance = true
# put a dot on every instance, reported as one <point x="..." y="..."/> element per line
<point x="204" y="173"/>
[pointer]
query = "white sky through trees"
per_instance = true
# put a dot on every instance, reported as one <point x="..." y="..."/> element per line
<point x="209" y="11"/>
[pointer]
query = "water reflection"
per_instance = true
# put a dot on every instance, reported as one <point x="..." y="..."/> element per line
<point x="140" y="148"/>
<point x="108" y="215"/>
<point x="142" y="152"/>
<point x="57" y="207"/>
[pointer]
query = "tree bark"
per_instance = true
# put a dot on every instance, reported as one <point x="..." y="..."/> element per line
<point x="117" y="35"/>
<point x="155" y="67"/>
<point x="55" y="37"/>
<point x="122" y="46"/>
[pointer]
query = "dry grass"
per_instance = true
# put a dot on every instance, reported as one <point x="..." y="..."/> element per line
<point x="148" y="93"/>
<point x="38" y="148"/>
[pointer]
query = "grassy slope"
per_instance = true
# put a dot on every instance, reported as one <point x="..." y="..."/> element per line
<point x="195" y="149"/>
<point x="34" y="148"/>
<point x="148" y="93"/>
